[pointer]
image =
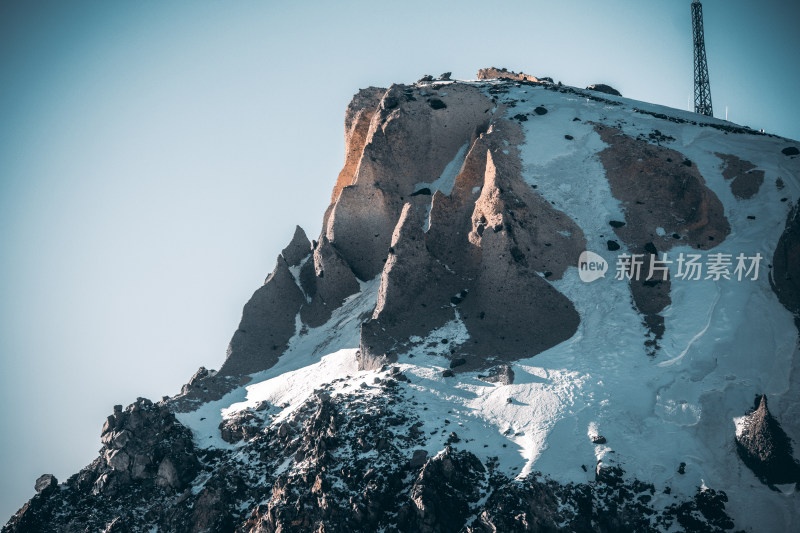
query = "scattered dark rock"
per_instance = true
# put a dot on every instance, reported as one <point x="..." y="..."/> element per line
<point x="569" y="137"/>
<point x="539" y="110"/>
<point x="460" y="361"/>
<point x="448" y="373"/>
<point x="435" y="103"/>
<point x="520" y="117"/>
<point x="607" y="474"/>
<point x="790" y="150"/>
<point x="616" y="223"/>
<point x="445" y="76"/>
<point x="418" y="459"/>
<point x="603" y="88"/>
<point x="613" y="246"/>
<point x="426" y="78"/>
<point x="425" y="191"/>
<point x="598" y="439"/>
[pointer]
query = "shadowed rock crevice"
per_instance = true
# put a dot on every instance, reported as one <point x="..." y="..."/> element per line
<point x="327" y="281"/>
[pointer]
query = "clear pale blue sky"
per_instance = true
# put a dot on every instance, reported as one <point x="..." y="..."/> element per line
<point x="155" y="157"/>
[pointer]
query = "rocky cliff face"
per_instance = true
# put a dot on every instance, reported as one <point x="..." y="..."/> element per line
<point x="433" y="362"/>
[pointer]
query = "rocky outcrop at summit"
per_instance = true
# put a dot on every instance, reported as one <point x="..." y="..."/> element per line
<point x="492" y="73"/>
<point x="666" y="203"/>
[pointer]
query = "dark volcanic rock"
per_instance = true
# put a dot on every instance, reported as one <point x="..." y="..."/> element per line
<point x="785" y="278"/>
<point x="603" y="88"/>
<point x="46" y="483"/>
<point x="314" y="471"/>
<point x="790" y="150"/>
<point x="765" y="448"/>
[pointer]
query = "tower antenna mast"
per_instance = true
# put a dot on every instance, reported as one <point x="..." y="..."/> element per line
<point x="702" y="87"/>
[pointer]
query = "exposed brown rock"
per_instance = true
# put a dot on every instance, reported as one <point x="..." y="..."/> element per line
<point x="405" y="145"/>
<point x="357" y="119"/>
<point x="412" y="285"/>
<point x="492" y="73"/>
<point x="658" y="188"/>
<point x="744" y="180"/>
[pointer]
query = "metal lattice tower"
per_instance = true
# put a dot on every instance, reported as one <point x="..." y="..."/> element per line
<point x="702" y="87"/>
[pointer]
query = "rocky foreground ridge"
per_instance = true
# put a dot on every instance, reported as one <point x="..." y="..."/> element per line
<point x="432" y="363"/>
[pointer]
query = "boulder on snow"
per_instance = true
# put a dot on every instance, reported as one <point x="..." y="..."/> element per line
<point x="603" y="88"/>
<point x="790" y="150"/>
<point x="500" y="374"/>
<point x="764" y="447"/>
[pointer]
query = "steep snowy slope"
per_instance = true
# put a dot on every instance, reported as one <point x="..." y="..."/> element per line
<point x="435" y="361"/>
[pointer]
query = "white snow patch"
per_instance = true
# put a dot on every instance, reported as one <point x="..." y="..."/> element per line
<point x="447" y="179"/>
